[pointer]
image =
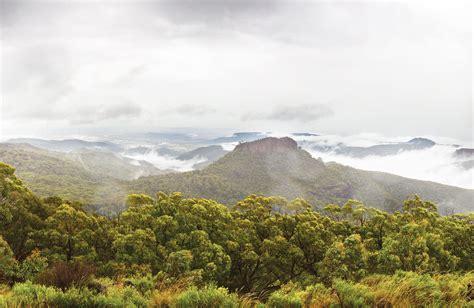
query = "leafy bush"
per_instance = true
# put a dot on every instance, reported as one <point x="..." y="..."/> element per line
<point x="121" y="297"/>
<point x="318" y="296"/>
<point x="143" y="284"/>
<point x="284" y="299"/>
<point x="31" y="295"/>
<point x="66" y="274"/>
<point x="32" y="265"/>
<point x="3" y="301"/>
<point x="353" y="295"/>
<point x="209" y="297"/>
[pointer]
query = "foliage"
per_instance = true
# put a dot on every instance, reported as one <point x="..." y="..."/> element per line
<point x="284" y="299"/>
<point x="8" y="263"/>
<point x="31" y="295"/>
<point x="211" y="297"/>
<point x="65" y="275"/>
<point x="171" y="250"/>
<point x="32" y="265"/>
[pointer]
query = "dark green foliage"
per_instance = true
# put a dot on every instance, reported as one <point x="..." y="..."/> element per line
<point x="271" y="248"/>
<point x="8" y="264"/>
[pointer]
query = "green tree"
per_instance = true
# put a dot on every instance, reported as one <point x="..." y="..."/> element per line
<point x="346" y="260"/>
<point x="69" y="234"/>
<point x="8" y="264"/>
<point x="21" y="213"/>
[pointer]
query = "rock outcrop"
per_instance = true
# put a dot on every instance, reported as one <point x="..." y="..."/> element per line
<point x="268" y="145"/>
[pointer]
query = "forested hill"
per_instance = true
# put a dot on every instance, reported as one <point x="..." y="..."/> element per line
<point x="270" y="166"/>
<point x="277" y="166"/>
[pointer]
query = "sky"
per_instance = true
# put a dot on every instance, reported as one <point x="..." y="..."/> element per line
<point x="387" y="67"/>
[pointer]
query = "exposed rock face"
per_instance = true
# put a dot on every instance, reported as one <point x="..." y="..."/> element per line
<point x="268" y="145"/>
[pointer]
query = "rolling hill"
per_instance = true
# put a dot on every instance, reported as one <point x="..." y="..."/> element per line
<point x="86" y="176"/>
<point x="273" y="166"/>
<point x="270" y="166"/>
<point x="50" y="173"/>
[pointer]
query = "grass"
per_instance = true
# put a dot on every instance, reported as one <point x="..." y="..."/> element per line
<point x="404" y="289"/>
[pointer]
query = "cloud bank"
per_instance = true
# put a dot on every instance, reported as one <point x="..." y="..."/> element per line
<point x="165" y="162"/>
<point x="238" y="65"/>
<point x="437" y="164"/>
<point x="299" y="113"/>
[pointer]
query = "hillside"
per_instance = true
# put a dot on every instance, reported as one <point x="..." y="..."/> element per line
<point x="210" y="153"/>
<point x="269" y="166"/>
<point x="89" y="177"/>
<point x="112" y="165"/>
<point x="67" y="145"/>
<point x="48" y="173"/>
<point x="274" y="166"/>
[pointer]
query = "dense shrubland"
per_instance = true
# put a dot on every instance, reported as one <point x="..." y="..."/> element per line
<point x="169" y="251"/>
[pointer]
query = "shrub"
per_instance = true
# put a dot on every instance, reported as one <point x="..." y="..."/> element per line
<point x="164" y="298"/>
<point x="407" y="289"/>
<point x="166" y="293"/>
<point x="71" y="298"/>
<point x="3" y="301"/>
<point x="353" y="295"/>
<point x="121" y="297"/>
<point x="32" y="265"/>
<point x="30" y="295"/>
<point x="456" y="289"/>
<point x="208" y="297"/>
<point x="66" y="274"/>
<point x="284" y="299"/>
<point x="318" y="296"/>
<point x="143" y="284"/>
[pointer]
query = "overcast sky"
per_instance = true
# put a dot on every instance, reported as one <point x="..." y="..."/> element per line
<point x="393" y="68"/>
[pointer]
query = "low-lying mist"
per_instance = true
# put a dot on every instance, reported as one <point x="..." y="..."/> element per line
<point x="166" y="162"/>
<point x="437" y="163"/>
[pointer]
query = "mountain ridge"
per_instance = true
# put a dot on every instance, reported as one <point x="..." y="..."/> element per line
<point x="277" y="166"/>
<point x="269" y="166"/>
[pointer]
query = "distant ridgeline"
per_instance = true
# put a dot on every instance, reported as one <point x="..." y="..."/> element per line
<point x="269" y="166"/>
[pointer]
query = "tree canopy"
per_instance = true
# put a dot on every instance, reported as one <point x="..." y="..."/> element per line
<point x="259" y="245"/>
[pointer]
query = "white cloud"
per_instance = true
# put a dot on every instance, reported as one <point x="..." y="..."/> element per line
<point x="437" y="164"/>
<point x="390" y="67"/>
<point x="164" y="162"/>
